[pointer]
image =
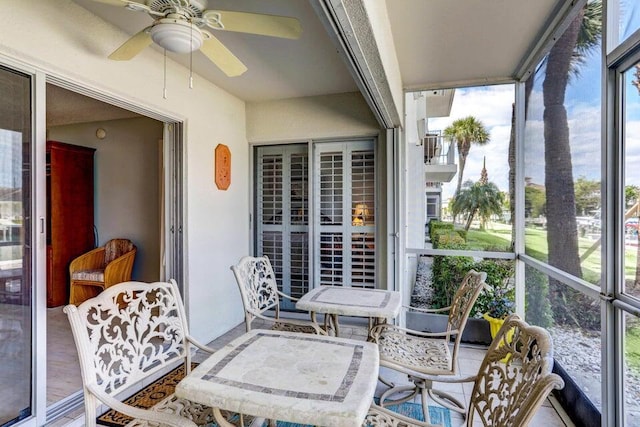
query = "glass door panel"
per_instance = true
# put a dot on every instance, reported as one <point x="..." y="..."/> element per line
<point x="15" y="247"/>
<point x="631" y="142"/>
<point x="631" y="325"/>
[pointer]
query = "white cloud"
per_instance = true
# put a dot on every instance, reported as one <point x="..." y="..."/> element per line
<point x="492" y="106"/>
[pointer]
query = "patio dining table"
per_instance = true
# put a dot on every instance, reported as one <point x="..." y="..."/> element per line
<point x="376" y="304"/>
<point x="287" y="376"/>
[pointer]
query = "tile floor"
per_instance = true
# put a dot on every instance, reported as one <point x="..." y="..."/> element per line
<point x="469" y="361"/>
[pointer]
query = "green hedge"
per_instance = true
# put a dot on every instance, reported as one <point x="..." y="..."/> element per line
<point x="436" y="227"/>
<point x="448" y="272"/>
<point x="443" y="233"/>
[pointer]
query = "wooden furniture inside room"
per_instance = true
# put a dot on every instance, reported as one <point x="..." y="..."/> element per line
<point x="69" y="214"/>
<point x="100" y="268"/>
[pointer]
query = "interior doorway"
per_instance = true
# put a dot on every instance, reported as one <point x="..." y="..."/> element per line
<point x="129" y="200"/>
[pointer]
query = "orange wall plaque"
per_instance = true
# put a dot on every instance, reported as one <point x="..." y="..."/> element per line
<point x="223" y="167"/>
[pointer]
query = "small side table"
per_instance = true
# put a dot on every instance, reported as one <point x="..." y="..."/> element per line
<point x="376" y="304"/>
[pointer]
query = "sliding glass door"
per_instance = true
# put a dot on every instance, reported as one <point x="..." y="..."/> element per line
<point x="16" y="376"/>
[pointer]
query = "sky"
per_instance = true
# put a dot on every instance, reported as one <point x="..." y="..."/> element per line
<point x="492" y="106"/>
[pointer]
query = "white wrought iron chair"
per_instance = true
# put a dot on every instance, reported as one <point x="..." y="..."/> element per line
<point x="425" y="356"/>
<point x="259" y="290"/>
<point x="126" y="334"/>
<point x="512" y="382"/>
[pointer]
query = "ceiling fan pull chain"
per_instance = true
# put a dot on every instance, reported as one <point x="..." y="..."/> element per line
<point x="164" y="89"/>
<point x="191" y="56"/>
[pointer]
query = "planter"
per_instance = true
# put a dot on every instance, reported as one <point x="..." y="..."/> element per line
<point x="475" y="332"/>
<point x="495" y="325"/>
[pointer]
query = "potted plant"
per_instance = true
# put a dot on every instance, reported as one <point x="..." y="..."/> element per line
<point x="499" y="307"/>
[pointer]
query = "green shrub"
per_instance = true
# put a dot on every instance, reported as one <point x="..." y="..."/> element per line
<point x="500" y="279"/>
<point x="449" y="239"/>
<point x="436" y="227"/>
<point x="537" y="305"/>
<point x="448" y="272"/>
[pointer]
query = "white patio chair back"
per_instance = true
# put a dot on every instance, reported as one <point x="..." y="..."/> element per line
<point x="258" y="287"/>
<point x="126" y="334"/>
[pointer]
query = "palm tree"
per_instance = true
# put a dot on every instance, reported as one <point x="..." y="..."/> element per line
<point x="465" y="132"/>
<point x="482" y="198"/>
<point x="562" y="62"/>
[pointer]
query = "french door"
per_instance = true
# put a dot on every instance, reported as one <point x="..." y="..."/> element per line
<point x="315" y="216"/>
<point x="344" y="201"/>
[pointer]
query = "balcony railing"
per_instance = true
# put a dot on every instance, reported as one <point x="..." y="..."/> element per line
<point x="439" y="158"/>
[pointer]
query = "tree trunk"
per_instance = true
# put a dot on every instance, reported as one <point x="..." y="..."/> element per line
<point x="632" y="288"/>
<point x="512" y="174"/>
<point x="562" y="234"/>
<point x="470" y="220"/>
<point x="463" y="152"/>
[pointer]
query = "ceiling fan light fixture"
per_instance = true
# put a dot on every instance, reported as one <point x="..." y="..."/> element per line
<point x="177" y="36"/>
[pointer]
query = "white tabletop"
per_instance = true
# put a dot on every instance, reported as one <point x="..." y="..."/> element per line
<point x="301" y="378"/>
<point x="349" y="301"/>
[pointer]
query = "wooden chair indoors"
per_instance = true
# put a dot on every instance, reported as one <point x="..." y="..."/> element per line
<point x="259" y="290"/>
<point x="425" y="356"/>
<point x="95" y="271"/>
<point x="512" y="382"/>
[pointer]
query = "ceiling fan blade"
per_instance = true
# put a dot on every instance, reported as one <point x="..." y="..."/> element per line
<point x="132" y="47"/>
<point x="222" y="57"/>
<point x="255" y="23"/>
<point x="115" y="2"/>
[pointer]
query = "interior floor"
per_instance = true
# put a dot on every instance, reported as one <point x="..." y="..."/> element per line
<point x="66" y="380"/>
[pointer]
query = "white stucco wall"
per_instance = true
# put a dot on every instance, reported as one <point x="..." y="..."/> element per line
<point x="126" y="184"/>
<point x="339" y="115"/>
<point x="63" y="39"/>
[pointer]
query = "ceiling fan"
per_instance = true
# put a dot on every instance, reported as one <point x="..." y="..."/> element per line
<point x="183" y="26"/>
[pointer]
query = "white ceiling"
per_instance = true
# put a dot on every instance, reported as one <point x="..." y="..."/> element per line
<point x="442" y="43"/>
<point x="277" y="68"/>
<point x="439" y="43"/>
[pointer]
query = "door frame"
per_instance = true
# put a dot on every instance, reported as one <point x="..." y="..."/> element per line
<point x="42" y="413"/>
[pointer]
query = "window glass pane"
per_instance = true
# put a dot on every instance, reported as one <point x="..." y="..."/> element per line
<point x="573" y="319"/>
<point x="464" y="157"/>
<point x="631" y="369"/>
<point x="629" y="12"/>
<point x="15" y="244"/>
<point x="631" y="143"/>
<point x="562" y="151"/>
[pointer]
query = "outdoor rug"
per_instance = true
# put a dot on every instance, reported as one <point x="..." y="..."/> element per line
<point x="438" y="415"/>
<point x="145" y="398"/>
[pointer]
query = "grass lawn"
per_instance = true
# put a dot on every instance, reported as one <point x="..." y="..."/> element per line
<point x="497" y="237"/>
<point x="632" y="347"/>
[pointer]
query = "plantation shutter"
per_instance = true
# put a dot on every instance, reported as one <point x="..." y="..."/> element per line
<point x="282" y="216"/>
<point x="344" y="204"/>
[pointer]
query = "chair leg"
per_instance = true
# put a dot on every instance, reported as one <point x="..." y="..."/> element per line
<point x="412" y="391"/>
<point x="445" y="399"/>
<point x="424" y="388"/>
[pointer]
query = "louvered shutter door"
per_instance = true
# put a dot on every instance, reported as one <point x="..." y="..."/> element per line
<point x="345" y="214"/>
<point x="282" y="213"/>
